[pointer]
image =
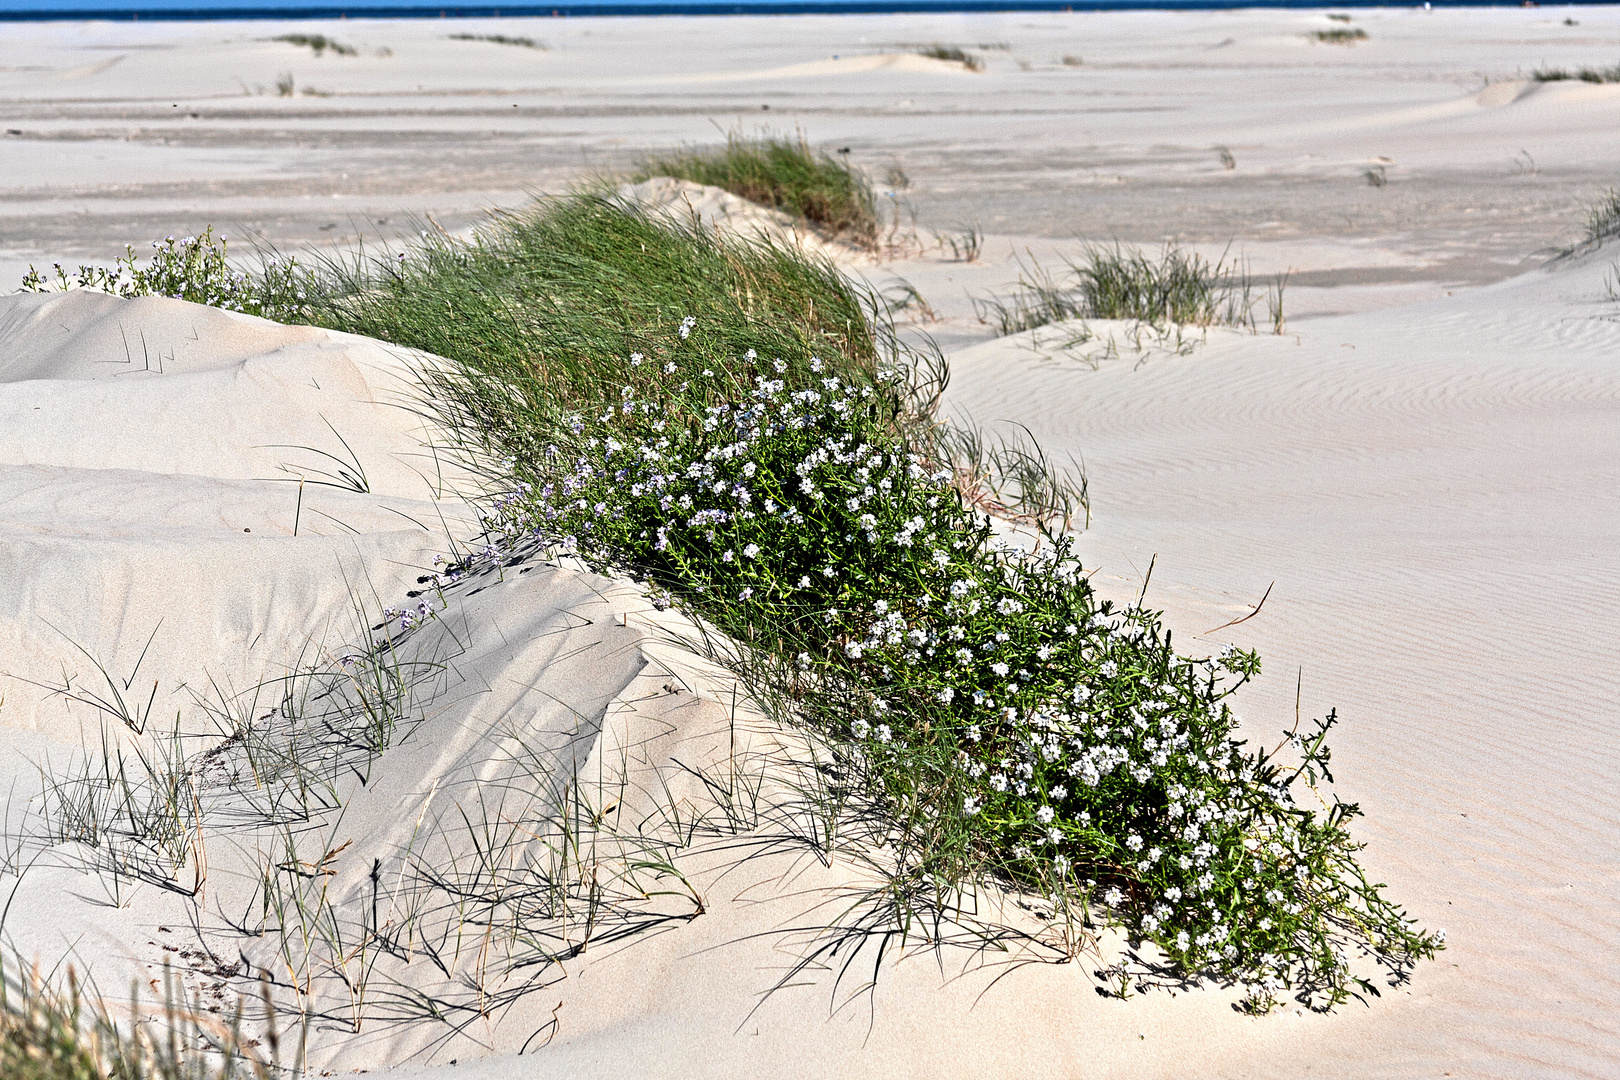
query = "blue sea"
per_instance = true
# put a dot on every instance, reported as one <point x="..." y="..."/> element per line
<point x="40" y="10"/>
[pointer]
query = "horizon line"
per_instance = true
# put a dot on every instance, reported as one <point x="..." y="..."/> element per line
<point x="631" y="8"/>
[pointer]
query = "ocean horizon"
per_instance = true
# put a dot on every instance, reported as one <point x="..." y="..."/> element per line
<point x="185" y="10"/>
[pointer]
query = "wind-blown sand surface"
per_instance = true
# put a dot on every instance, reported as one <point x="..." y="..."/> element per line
<point x="1425" y="483"/>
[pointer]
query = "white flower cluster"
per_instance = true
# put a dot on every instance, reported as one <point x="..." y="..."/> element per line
<point x="1084" y="748"/>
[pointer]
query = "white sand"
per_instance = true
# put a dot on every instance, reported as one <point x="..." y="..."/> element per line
<point x="1428" y="480"/>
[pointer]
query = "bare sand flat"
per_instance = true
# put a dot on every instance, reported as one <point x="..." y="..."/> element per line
<point x="1419" y="470"/>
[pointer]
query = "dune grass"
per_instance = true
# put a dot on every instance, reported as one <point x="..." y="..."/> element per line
<point x="1582" y="74"/>
<point x="782" y="173"/>
<point x="731" y="425"/>
<point x="1338" y="35"/>
<point x="1111" y="282"/>
<point x="953" y="53"/>
<point x="503" y="39"/>
<point x="48" y="1033"/>
<point x="1603" y="219"/>
<point x="318" y="43"/>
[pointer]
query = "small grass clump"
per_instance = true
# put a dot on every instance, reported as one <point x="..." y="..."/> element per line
<point x="784" y="174"/>
<point x="1583" y="74"/>
<point x="47" y="1034"/>
<point x="318" y="43"/>
<point x="1603" y="219"/>
<point x="1338" y="35"/>
<point x="1178" y="287"/>
<point x="953" y="54"/>
<point x="502" y="39"/>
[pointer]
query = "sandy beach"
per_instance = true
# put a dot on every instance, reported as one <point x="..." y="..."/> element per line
<point x="1416" y="472"/>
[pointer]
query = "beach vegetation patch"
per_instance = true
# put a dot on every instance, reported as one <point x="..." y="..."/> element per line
<point x="1113" y="282"/>
<point x="732" y="425"/>
<point x="1018" y="729"/>
<point x="1603" y="219"/>
<point x="1338" y="35"/>
<point x="954" y="54"/>
<point x="503" y="39"/>
<point x="51" y="1033"/>
<point x="1582" y="74"/>
<point x="782" y="173"/>
<point x="318" y="44"/>
<point x="190" y="268"/>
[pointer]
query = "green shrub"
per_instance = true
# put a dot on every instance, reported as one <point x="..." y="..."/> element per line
<point x="1019" y="729"/>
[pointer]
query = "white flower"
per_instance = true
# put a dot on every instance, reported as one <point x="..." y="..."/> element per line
<point x="970" y="806"/>
<point x="751" y="551"/>
<point x="1113" y="898"/>
<point x="883" y="733"/>
<point x="686" y="326"/>
<point x="1133" y="842"/>
<point x="999" y="668"/>
<point x="947" y="695"/>
<point x="1045" y="815"/>
<point x="854" y="649"/>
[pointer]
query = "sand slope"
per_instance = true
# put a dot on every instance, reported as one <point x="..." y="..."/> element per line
<point x="1429" y="487"/>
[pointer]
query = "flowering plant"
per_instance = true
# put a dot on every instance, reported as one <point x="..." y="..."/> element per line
<point x="1062" y="740"/>
<point x="191" y="268"/>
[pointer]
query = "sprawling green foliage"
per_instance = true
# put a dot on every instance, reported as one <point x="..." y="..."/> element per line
<point x="722" y="421"/>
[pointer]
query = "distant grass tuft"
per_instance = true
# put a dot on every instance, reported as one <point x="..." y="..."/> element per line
<point x="953" y="53"/>
<point x="1178" y="287"/>
<point x="502" y="39"/>
<point x="1339" y="36"/>
<point x="784" y="174"/>
<point x="1585" y="74"/>
<point x="318" y="42"/>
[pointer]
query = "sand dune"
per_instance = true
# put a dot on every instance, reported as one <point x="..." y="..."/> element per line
<point x="1424" y="482"/>
<point x="151" y="454"/>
